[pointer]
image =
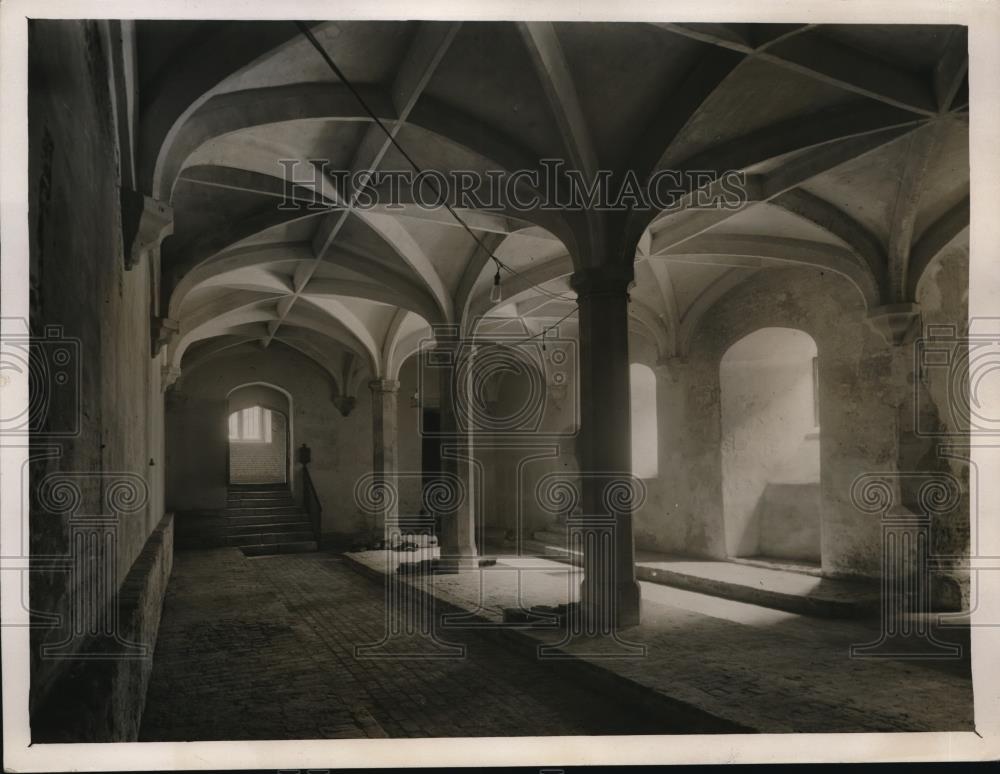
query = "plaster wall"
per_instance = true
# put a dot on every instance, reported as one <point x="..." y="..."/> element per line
<point x="511" y="458"/>
<point x="408" y="429"/>
<point x="519" y="461"/>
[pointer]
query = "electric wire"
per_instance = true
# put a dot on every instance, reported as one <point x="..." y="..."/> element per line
<point x="304" y="28"/>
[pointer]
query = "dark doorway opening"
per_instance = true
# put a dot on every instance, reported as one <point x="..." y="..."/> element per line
<point x="430" y="455"/>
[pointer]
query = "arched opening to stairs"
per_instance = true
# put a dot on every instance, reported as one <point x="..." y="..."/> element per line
<point x="258" y="446"/>
<point x="262" y="515"/>
<point x="770" y="446"/>
<point x="259" y="429"/>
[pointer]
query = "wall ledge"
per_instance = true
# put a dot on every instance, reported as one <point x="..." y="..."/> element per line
<point x="100" y="697"/>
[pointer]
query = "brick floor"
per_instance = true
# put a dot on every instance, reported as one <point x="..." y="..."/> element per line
<point x="768" y="670"/>
<point x="265" y="649"/>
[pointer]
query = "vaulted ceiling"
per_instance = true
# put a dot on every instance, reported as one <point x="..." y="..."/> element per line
<point x="853" y="141"/>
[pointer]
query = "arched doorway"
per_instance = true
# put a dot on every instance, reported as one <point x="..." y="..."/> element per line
<point x="259" y="430"/>
<point x="770" y="446"/>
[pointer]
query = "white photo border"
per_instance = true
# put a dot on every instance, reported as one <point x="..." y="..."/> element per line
<point x="983" y="20"/>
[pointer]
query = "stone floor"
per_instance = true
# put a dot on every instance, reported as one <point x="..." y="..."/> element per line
<point x="266" y="649"/>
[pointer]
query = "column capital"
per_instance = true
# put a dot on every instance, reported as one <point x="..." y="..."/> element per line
<point x="670" y="366"/>
<point x="169" y="374"/>
<point x="446" y="334"/>
<point x="162" y="332"/>
<point x="602" y="280"/>
<point x="383" y="385"/>
<point x="896" y="323"/>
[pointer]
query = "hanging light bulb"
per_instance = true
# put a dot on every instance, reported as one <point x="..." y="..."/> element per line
<point x="496" y="293"/>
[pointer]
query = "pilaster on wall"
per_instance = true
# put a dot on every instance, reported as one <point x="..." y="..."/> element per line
<point x="931" y="451"/>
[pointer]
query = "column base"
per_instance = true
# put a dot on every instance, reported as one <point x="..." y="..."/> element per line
<point x="455" y="564"/>
<point x="627" y="606"/>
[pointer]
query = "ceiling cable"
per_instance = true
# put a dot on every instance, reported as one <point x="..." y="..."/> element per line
<point x="495" y="290"/>
<point x="501" y="343"/>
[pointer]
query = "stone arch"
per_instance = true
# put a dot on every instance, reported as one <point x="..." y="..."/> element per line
<point x="276" y="400"/>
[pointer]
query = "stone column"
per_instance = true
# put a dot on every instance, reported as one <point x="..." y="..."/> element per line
<point x="606" y="438"/>
<point x="384" y="450"/>
<point x="458" y="534"/>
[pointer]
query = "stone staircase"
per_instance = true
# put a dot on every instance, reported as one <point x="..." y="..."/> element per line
<point x="264" y="519"/>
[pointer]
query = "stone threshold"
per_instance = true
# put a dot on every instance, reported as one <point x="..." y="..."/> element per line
<point x="750" y="581"/>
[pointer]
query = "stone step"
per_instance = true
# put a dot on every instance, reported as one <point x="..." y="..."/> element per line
<point x="262" y="507"/>
<point x="265" y="518"/>
<point x="240" y="528"/>
<point x="241" y="487"/>
<point x="864" y="606"/>
<point x="278" y="510"/>
<point x="266" y="496"/>
<point x="301" y="547"/>
<point x="268" y="538"/>
<point x="770" y="563"/>
<point x="282" y="503"/>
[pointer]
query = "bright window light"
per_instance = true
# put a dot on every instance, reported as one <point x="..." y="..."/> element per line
<point x="645" y="431"/>
<point x="250" y="425"/>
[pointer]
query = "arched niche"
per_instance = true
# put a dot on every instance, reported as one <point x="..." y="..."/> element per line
<point x="770" y="446"/>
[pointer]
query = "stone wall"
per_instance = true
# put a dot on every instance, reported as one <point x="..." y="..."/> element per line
<point x="866" y="395"/>
<point x="97" y="451"/>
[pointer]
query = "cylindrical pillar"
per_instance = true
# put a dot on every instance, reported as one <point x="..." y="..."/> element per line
<point x="384" y="450"/>
<point x="458" y="535"/>
<point x="606" y="440"/>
